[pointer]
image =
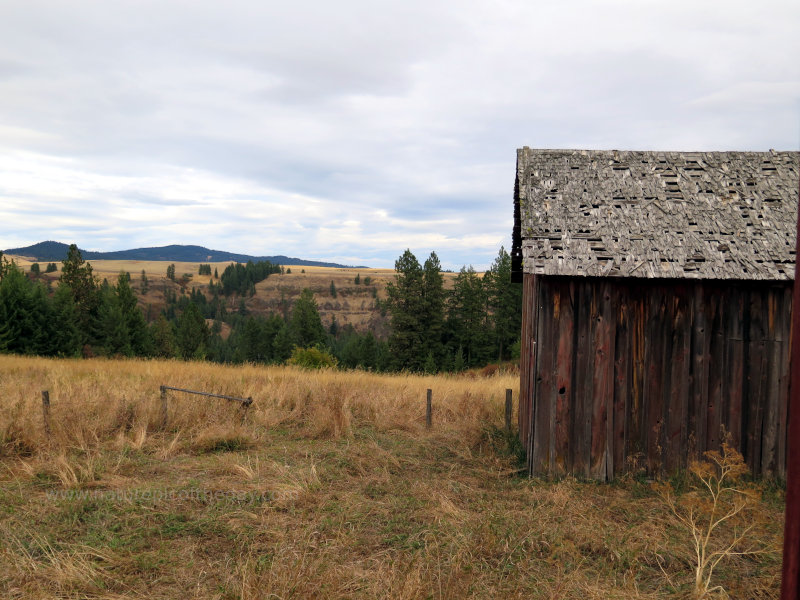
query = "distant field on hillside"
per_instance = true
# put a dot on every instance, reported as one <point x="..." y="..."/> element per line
<point x="354" y="304"/>
<point x="329" y="485"/>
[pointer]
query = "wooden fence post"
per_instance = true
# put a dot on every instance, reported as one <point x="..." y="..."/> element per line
<point x="163" y="406"/>
<point x="509" y="410"/>
<point x="428" y="410"/>
<point x="46" y="412"/>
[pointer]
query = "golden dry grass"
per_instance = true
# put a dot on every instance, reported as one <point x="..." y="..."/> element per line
<point x="330" y="485"/>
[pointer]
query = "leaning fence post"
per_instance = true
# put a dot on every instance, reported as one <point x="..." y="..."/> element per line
<point x="428" y="410"/>
<point x="163" y="406"/>
<point x="46" y="412"/>
<point x="509" y="410"/>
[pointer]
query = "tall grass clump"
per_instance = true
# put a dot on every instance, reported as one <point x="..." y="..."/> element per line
<point x="95" y="402"/>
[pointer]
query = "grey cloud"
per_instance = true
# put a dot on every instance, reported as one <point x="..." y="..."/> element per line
<point x="411" y="109"/>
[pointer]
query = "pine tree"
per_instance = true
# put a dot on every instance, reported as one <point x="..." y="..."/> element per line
<point x="35" y="269"/>
<point x="306" y="326"/>
<point x="145" y="283"/>
<point x="163" y="336"/>
<point x="467" y="317"/>
<point x="431" y="366"/>
<point x="77" y="274"/>
<point x="406" y="305"/>
<point x="25" y="313"/>
<point x="433" y="309"/>
<point x="139" y="337"/>
<point x="333" y="290"/>
<point x="192" y="333"/>
<point x="357" y="280"/>
<point x="505" y="303"/>
<point x="66" y="337"/>
<point x="282" y="345"/>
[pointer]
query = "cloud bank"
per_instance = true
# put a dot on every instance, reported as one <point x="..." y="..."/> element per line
<point x="350" y="131"/>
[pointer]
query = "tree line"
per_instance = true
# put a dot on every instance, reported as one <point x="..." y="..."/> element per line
<point x="432" y="328"/>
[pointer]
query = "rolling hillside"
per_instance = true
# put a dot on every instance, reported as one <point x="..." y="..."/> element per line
<point x="57" y="251"/>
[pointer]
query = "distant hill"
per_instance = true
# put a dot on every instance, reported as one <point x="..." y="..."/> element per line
<point x="56" y="251"/>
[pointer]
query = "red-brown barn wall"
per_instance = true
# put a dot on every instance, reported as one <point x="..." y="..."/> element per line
<point x="633" y="373"/>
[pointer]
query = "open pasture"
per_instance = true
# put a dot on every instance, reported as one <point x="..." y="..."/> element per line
<point x="329" y="485"/>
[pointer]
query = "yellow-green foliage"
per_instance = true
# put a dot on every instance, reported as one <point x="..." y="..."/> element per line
<point x="312" y="358"/>
<point x="719" y="515"/>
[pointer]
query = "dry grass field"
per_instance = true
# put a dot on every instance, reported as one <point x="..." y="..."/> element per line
<point x="329" y="485"/>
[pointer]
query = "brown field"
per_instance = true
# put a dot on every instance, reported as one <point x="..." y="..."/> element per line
<point x="329" y="485"/>
<point x="354" y="304"/>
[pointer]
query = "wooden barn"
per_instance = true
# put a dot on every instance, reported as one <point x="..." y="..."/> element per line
<point x="656" y="309"/>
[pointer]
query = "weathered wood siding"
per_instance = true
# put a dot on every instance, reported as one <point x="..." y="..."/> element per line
<point x="627" y="374"/>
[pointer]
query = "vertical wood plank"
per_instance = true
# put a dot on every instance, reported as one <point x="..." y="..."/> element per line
<point x="636" y="447"/>
<point x="526" y="341"/>
<point x="716" y="369"/>
<point x="783" y="403"/>
<point x="773" y="325"/>
<point x="582" y="388"/>
<point x="677" y="371"/>
<point x="758" y="372"/>
<point x="164" y="413"/>
<point x="738" y="387"/>
<point x="429" y="408"/>
<point x="602" y="382"/>
<point x="700" y="349"/>
<point x="46" y="412"/>
<point x="623" y="359"/>
<point x="564" y="383"/>
<point x="653" y="404"/>
<point x="509" y="410"/>
<point x="543" y="382"/>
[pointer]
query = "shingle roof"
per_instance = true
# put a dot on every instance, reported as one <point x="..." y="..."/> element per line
<point x="699" y="215"/>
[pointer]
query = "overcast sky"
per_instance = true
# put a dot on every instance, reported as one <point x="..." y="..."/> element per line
<point x="351" y="130"/>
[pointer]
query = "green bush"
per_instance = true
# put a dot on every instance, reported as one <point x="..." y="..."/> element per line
<point x="312" y="358"/>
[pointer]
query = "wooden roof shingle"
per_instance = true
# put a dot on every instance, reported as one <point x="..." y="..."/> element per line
<point x="696" y="215"/>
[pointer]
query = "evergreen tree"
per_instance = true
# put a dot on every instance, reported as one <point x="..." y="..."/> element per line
<point x="505" y="304"/>
<point x="333" y="290"/>
<point x="357" y="280"/>
<point x="66" y="338"/>
<point x="25" y="313"/>
<point x="467" y="317"/>
<point x="35" y="269"/>
<point x="171" y="272"/>
<point x="163" y="338"/>
<point x="77" y="274"/>
<point x="406" y="305"/>
<point x="282" y="345"/>
<point x="458" y="360"/>
<point x="145" y="283"/>
<point x="139" y="337"/>
<point x="333" y="330"/>
<point x="433" y="309"/>
<point x="431" y="366"/>
<point x="51" y="268"/>
<point x="192" y="333"/>
<point x="306" y="325"/>
<point x="110" y="330"/>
